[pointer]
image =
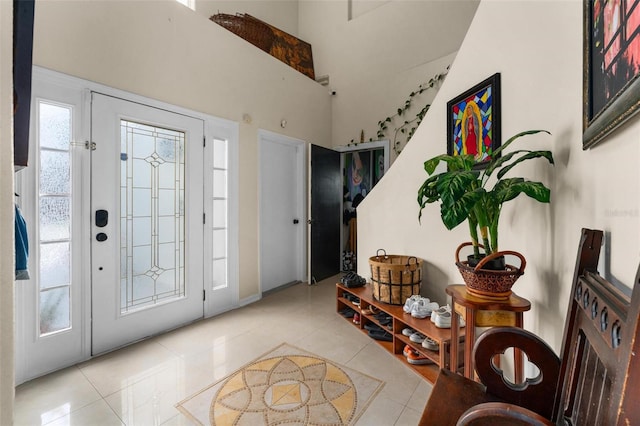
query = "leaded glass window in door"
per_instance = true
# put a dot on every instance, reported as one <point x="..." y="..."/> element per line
<point x="152" y="217"/>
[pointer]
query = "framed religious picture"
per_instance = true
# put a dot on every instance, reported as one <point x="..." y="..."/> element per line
<point x="611" y="65"/>
<point x="473" y="121"/>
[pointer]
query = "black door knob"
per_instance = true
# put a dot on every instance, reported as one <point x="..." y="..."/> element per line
<point x="101" y="237"/>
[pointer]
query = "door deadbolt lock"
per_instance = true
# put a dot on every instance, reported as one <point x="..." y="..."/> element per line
<point x="296" y="221"/>
<point x="102" y="218"/>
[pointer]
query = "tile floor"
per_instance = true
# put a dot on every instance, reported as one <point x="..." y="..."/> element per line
<point x="140" y="384"/>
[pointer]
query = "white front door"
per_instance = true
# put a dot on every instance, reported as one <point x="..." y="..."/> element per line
<point x="282" y="218"/>
<point x="158" y="255"/>
<point x="147" y="221"/>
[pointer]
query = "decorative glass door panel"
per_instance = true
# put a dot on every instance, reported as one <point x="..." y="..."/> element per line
<point x="152" y="215"/>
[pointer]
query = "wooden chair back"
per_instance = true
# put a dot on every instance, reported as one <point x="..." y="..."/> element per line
<point x="536" y="394"/>
<point x="599" y="375"/>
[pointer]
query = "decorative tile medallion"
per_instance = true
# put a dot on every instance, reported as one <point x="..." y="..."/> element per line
<point x="287" y="385"/>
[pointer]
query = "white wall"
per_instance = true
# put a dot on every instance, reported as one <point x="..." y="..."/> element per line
<point x="378" y="100"/>
<point x="6" y="215"/>
<point x="537" y="48"/>
<point x="165" y="51"/>
<point x="282" y="14"/>
<point x="376" y="59"/>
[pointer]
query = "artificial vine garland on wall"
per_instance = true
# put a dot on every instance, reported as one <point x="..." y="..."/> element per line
<point x="404" y="130"/>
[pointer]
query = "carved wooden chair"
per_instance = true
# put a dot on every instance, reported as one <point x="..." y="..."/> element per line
<point x="596" y="382"/>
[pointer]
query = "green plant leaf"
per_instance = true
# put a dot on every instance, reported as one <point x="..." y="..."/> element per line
<point x="431" y="164"/>
<point x="496" y="163"/>
<point x="497" y="152"/>
<point x="453" y="185"/>
<point x="508" y="189"/>
<point x="453" y="214"/>
<point x="428" y="193"/>
<point x="528" y="156"/>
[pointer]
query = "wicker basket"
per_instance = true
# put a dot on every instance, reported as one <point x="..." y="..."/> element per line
<point x="486" y="283"/>
<point x="395" y="278"/>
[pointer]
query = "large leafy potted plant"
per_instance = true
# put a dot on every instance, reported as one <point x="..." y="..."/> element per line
<point x="468" y="194"/>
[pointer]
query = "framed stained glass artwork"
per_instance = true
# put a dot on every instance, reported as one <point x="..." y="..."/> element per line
<point x="473" y="121"/>
<point x="611" y="66"/>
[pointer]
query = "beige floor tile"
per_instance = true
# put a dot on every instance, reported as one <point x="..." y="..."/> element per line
<point x="119" y="369"/>
<point x="420" y="396"/>
<point x="408" y="417"/>
<point x="400" y="380"/>
<point x="150" y="401"/>
<point x="179" y="420"/>
<point x="96" y="413"/>
<point x="381" y="411"/>
<point x="53" y="396"/>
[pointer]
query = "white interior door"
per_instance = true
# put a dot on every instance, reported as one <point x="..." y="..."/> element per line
<point x="282" y="219"/>
<point x="147" y="221"/>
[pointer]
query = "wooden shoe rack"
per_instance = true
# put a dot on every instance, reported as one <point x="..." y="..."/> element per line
<point x="400" y="321"/>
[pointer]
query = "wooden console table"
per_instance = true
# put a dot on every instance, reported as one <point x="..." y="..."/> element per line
<point x="484" y="313"/>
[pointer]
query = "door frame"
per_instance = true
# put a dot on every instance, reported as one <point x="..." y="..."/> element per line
<point x="366" y="146"/>
<point x="82" y="89"/>
<point x="300" y="175"/>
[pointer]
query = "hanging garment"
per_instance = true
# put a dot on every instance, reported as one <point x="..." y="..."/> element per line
<point x="22" y="246"/>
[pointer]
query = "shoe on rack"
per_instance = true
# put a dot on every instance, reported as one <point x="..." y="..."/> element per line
<point x="407" y="350"/>
<point x="381" y="315"/>
<point x="372" y="327"/>
<point x="432" y="345"/>
<point x="415" y="358"/>
<point x="356" y="319"/>
<point x="423" y="308"/>
<point x="381" y="335"/>
<point x="350" y="297"/>
<point x="371" y="310"/>
<point x="346" y="277"/>
<point x="417" y="337"/>
<point x="444" y="320"/>
<point x="441" y="310"/>
<point x="385" y="321"/>
<point x="408" y="304"/>
<point x="408" y="331"/>
<point x="352" y="280"/>
<point x="347" y="312"/>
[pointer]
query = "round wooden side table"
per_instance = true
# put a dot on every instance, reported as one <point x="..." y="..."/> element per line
<point x="483" y="313"/>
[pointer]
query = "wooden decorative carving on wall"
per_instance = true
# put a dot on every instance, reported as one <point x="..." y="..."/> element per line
<point x="281" y="45"/>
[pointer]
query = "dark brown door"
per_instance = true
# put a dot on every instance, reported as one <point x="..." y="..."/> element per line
<point x="326" y="192"/>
